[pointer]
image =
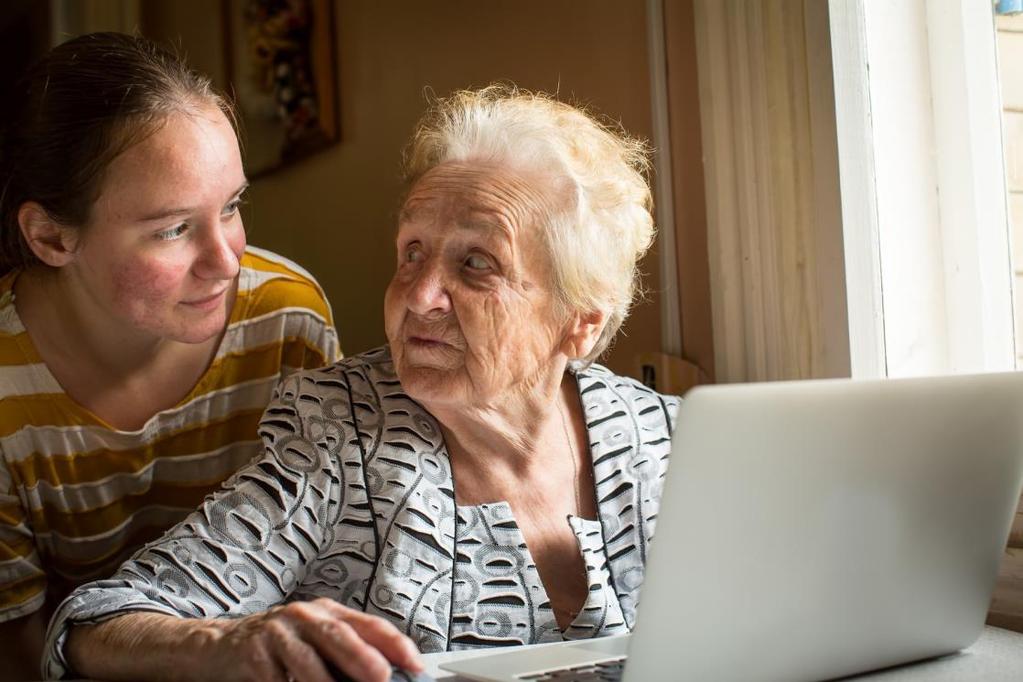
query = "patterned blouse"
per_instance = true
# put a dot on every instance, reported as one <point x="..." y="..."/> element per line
<point x="354" y="500"/>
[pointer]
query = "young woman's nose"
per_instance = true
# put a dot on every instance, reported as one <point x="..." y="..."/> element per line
<point x="218" y="258"/>
<point x="428" y="295"/>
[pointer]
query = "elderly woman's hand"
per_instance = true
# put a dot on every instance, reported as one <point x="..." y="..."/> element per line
<point x="298" y="641"/>
<point x="299" y="637"/>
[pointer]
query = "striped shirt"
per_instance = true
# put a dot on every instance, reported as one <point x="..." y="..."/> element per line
<point x="78" y="497"/>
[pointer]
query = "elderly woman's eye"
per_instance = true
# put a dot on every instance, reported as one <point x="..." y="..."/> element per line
<point x="413" y="254"/>
<point x="475" y="261"/>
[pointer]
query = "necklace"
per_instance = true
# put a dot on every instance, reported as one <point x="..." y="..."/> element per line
<point x="569" y="614"/>
<point x="575" y="460"/>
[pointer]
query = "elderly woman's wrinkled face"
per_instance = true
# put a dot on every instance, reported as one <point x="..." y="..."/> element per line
<point x="469" y="312"/>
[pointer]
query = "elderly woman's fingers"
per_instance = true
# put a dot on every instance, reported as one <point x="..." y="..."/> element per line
<point x="301" y="640"/>
<point x="294" y="655"/>
<point x="255" y="660"/>
<point x="380" y="634"/>
<point x="338" y="642"/>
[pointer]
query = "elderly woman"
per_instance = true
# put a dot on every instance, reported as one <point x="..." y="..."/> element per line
<point x="478" y="482"/>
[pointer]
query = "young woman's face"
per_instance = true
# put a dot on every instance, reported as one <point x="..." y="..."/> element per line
<point x="160" y="253"/>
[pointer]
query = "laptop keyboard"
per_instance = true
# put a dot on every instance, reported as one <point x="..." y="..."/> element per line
<point x="605" y="671"/>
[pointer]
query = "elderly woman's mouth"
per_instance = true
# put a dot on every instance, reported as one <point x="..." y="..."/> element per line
<point x="426" y="342"/>
<point x="431" y="348"/>
<point x="429" y="351"/>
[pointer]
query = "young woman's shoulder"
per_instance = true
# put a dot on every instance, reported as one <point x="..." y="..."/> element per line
<point x="270" y="281"/>
<point x="271" y="286"/>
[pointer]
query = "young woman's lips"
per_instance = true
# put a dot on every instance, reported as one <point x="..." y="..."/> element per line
<point x="208" y="302"/>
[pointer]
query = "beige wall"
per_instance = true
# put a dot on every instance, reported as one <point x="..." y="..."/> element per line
<point x="334" y="212"/>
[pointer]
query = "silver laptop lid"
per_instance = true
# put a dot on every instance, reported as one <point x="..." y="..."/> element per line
<point x="816" y="529"/>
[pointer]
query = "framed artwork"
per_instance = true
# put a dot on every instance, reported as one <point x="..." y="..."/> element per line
<point x="281" y="71"/>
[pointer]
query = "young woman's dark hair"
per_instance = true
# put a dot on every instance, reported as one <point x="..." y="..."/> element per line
<point x="73" y="113"/>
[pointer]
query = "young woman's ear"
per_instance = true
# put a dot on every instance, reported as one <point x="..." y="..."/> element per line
<point x="583" y="332"/>
<point x="51" y="242"/>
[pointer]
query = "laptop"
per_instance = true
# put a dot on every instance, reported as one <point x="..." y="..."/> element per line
<point x="812" y="530"/>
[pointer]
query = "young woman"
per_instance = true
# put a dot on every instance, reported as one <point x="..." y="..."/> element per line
<point x="140" y="339"/>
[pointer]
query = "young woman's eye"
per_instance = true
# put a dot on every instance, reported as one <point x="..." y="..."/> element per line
<point x="173" y="233"/>
<point x="233" y="207"/>
<point x="474" y="261"/>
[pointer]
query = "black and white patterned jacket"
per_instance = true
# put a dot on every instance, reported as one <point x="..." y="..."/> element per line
<point x="354" y="500"/>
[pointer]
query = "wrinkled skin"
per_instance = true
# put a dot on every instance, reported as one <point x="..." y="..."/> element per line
<point x="470" y="316"/>
<point x="295" y="641"/>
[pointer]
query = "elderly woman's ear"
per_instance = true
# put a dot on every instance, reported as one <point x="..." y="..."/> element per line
<point x="582" y="332"/>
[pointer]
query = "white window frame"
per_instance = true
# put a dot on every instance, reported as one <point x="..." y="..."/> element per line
<point x="924" y="212"/>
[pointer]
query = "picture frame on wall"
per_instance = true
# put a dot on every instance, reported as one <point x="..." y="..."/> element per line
<point x="281" y="71"/>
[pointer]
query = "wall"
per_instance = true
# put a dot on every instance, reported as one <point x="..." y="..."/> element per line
<point x="334" y="212"/>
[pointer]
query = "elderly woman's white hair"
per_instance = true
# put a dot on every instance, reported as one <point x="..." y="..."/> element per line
<point x="604" y="226"/>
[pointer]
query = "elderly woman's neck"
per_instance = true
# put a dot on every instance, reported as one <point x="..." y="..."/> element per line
<point x="515" y="432"/>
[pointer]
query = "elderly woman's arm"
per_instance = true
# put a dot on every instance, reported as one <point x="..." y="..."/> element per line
<point x="211" y="594"/>
<point x="291" y="640"/>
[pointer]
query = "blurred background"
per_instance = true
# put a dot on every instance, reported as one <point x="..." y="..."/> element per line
<point x="331" y="206"/>
<point x="746" y="102"/>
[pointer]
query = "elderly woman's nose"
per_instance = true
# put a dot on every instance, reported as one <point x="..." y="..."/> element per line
<point x="429" y="292"/>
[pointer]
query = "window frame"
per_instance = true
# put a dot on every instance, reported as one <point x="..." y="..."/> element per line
<point x="922" y="179"/>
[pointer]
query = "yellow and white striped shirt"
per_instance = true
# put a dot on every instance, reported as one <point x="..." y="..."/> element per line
<point x="78" y="497"/>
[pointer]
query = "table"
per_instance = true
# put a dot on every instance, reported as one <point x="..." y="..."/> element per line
<point x="996" y="657"/>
